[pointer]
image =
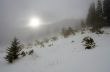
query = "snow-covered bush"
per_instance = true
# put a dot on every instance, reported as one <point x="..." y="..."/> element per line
<point x="99" y="32"/>
<point x="46" y="40"/>
<point x="54" y="38"/>
<point x="31" y="52"/>
<point x="92" y="30"/>
<point x="82" y="32"/>
<point x="40" y="43"/>
<point x="72" y="41"/>
<point x="29" y="45"/>
<point x="50" y="45"/>
<point x="67" y="32"/>
<point x="96" y="30"/>
<point x="23" y="54"/>
<point x="88" y="42"/>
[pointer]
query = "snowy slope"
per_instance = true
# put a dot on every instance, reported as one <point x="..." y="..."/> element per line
<point x="65" y="56"/>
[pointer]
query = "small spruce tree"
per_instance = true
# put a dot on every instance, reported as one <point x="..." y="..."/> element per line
<point x="13" y="50"/>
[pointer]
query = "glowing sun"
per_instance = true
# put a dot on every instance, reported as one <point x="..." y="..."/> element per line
<point x="34" y="22"/>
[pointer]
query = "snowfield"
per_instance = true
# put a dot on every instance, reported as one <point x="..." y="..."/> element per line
<point x="65" y="56"/>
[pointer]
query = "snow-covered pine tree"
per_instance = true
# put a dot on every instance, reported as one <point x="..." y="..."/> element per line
<point x="13" y="50"/>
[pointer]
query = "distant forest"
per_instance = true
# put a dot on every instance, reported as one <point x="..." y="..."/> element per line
<point x="98" y="15"/>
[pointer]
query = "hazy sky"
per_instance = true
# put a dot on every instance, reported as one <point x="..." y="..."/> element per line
<point x="14" y="14"/>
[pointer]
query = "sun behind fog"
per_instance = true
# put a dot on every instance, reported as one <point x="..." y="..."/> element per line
<point x="34" y="22"/>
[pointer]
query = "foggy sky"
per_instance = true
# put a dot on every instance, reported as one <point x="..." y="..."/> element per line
<point x="14" y="14"/>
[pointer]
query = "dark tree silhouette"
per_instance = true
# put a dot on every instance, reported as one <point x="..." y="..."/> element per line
<point x="91" y="18"/>
<point x="99" y="15"/>
<point x="13" y="51"/>
<point x="106" y="9"/>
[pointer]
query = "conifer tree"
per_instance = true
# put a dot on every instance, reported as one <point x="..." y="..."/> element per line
<point x="99" y="14"/>
<point x="13" y="51"/>
<point x="106" y="9"/>
<point x="91" y="18"/>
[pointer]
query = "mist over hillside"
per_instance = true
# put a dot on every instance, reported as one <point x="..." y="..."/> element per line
<point x="45" y="31"/>
<point x="53" y="29"/>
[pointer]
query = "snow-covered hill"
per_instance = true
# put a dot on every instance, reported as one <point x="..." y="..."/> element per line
<point x="65" y="56"/>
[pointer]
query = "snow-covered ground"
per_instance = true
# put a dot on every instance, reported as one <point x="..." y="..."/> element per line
<point x="65" y="56"/>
